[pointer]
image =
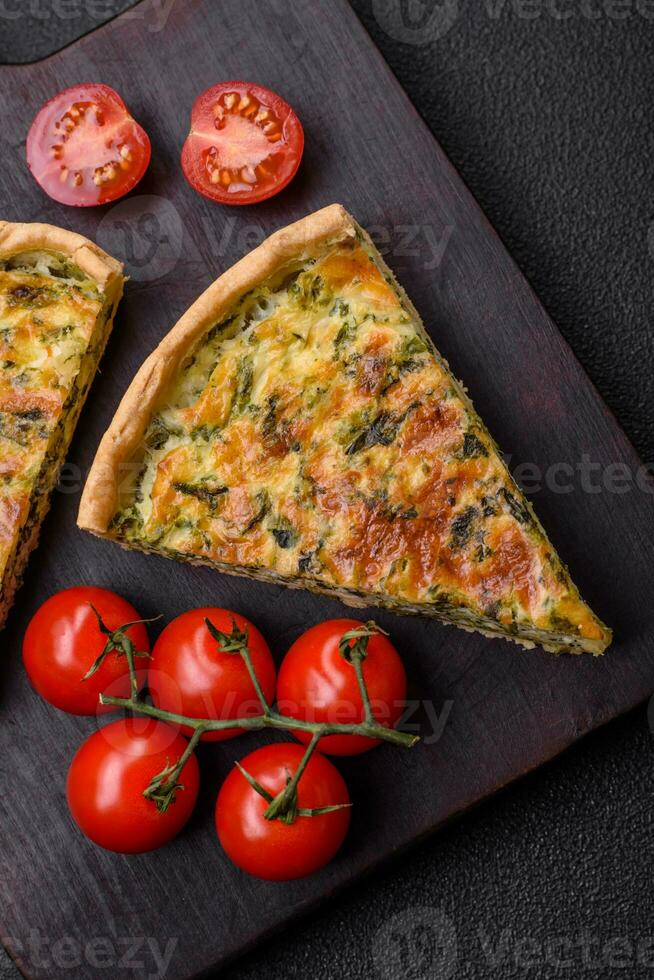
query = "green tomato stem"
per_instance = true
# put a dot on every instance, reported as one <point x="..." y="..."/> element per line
<point x="271" y="720"/>
<point x="164" y="786"/>
<point x="285" y="806"/>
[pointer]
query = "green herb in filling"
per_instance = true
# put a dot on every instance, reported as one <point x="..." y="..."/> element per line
<point x="208" y="495"/>
<point x="462" y="528"/>
<point x="245" y="378"/>
<point x="473" y="446"/>
<point x="263" y="501"/>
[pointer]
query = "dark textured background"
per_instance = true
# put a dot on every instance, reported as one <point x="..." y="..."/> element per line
<point x="549" y="121"/>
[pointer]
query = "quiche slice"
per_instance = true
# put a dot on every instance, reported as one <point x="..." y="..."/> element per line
<point x="298" y="426"/>
<point x="58" y="296"/>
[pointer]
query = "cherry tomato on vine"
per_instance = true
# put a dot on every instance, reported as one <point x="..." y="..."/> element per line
<point x="191" y="675"/>
<point x="84" y="148"/>
<point x="318" y="684"/>
<point x="109" y="774"/>
<point x="64" y="640"/>
<point x="245" y="144"/>
<point x="272" y="849"/>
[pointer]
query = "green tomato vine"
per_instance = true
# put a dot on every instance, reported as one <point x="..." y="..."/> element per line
<point x="164" y="786"/>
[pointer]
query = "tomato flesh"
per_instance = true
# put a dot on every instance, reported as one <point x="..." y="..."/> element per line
<point x="272" y="849"/>
<point x="107" y="778"/>
<point x="84" y="148"/>
<point x="191" y="676"/>
<point x="245" y="144"/>
<point x="63" y="641"/>
<point x="317" y="684"/>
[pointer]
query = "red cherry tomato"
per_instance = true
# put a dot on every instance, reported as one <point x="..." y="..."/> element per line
<point x="191" y="676"/>
<point x="107" y="778"/>
<point x="84" y="148"/>
<point x="63" y="641"/>
<point x="272" y="849"/>
<point x="245" y="144"/>
<point x="316" y="683"/>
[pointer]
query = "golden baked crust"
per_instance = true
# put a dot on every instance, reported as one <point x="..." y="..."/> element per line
<point x="85" y="254"/>
<point x="58" y="295"/>
<point x="297" y="425"/>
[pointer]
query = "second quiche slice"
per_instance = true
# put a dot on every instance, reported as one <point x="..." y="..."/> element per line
<point x="298" y="426"/>
<point x="58" y="296"/>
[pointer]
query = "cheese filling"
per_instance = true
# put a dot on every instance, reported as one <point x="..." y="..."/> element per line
<point x="53" y="326"/>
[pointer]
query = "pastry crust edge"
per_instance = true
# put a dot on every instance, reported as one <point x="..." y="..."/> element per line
<point x="35" y="237"/>
<point x="291" y="243"/>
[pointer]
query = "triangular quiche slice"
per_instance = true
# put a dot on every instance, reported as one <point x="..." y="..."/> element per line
<point x="58" y="297"/>
<point x="298" y="426"/>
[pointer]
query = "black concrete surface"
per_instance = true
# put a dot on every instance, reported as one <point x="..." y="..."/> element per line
<point x="545" y="109"/>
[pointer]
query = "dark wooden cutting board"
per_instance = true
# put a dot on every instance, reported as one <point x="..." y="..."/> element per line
<point x="508" y="711"/>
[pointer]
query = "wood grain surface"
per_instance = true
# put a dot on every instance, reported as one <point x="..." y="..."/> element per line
<point x="67" y="908"/>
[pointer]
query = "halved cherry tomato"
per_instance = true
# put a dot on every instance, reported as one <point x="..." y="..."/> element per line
<point x="190" y="675"/>
<point x="63" y="641"/>
<point x="109" y="774"/>
<point x="316" y="683"/>
<point x="84" y="148"/>
<point x="245" y="144"/>
<point x="273" y="849"/>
